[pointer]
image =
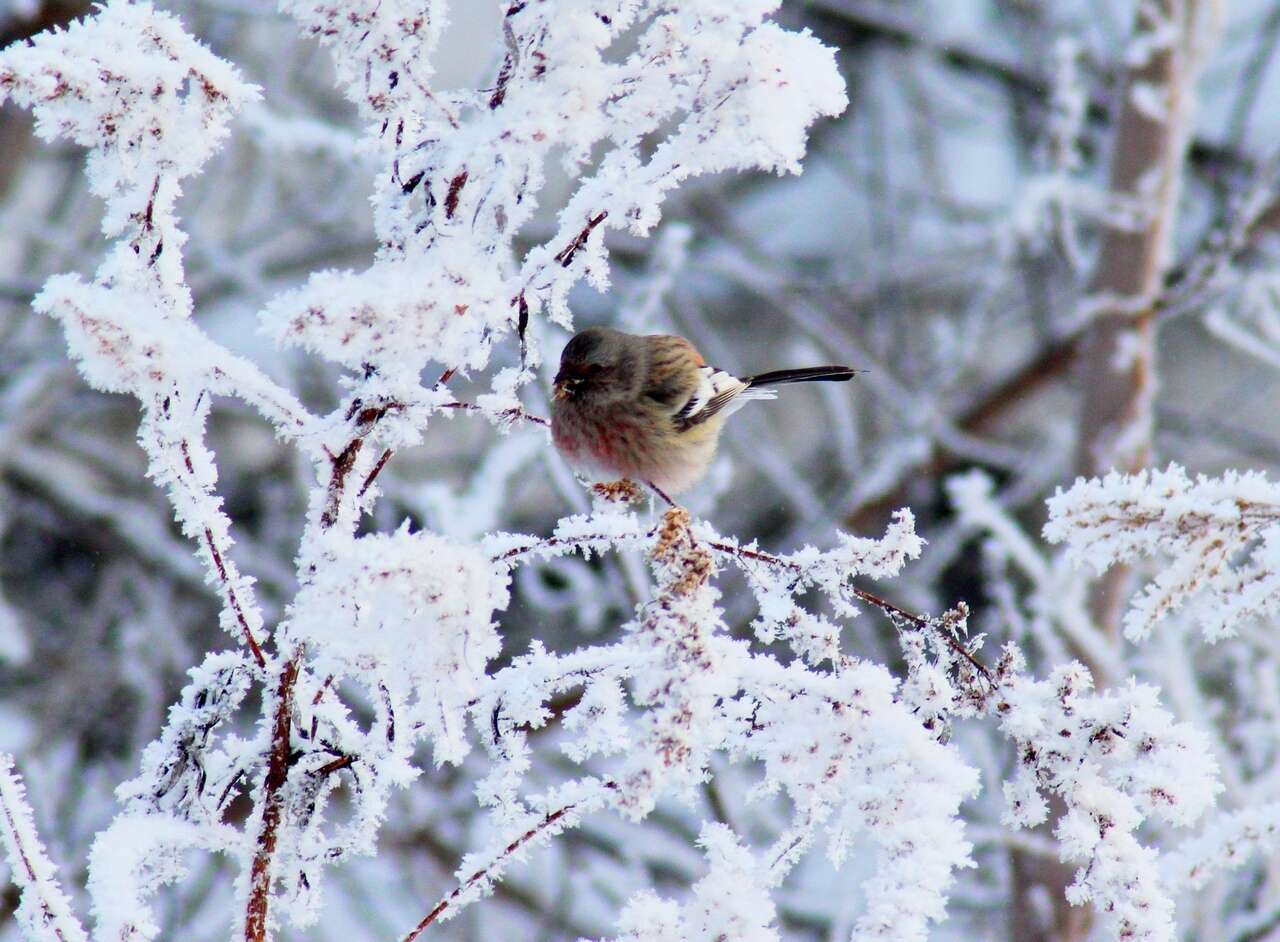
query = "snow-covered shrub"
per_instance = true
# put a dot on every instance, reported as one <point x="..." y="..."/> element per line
<point x="384" y="665"/>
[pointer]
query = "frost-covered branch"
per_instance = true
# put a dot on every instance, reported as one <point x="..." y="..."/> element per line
<point x="285" y="756"/>
<point x="552" y="823"/>
<point x="270" y="805"/>
<point x="1117" y="760"/>
<point x="1220" y="534"/>
<point x="151" y="105"/>
<point x="44" y="912"/>
<point x="1227" y="842"/>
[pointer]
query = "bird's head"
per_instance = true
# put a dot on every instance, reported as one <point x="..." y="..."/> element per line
<point x="601" y="362"/>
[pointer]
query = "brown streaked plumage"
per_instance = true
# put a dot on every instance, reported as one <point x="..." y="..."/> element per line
<point x="650" y="408"/>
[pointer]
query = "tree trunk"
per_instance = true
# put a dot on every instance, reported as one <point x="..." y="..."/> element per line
<point x="1117" y="355"/>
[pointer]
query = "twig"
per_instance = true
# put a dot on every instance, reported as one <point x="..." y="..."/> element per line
<point x="446" y="855"/>
<point x="511" y="415"/>
<point x="484" y="872"/>
<point x="232" y="599"/>
<point x="895" y="612"/>
<point x="556" y="542"/>
<point x="663" y="494"/>
<point x="372" y="475"/>
<point x="255" y="920"/>
<point x="341" y="467"/>
<point x="32" y="870"/>
<point x="338" y="764"/>
<point x="566" y="254"/>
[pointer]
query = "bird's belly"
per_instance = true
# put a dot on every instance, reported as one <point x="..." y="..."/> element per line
<point x="606" y="444"/>
<point x="599" y="444"/>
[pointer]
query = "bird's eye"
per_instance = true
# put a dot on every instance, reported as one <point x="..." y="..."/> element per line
<point x="594" y="368"/>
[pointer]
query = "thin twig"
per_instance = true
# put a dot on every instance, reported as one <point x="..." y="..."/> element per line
<point x="372" y="475"/>
<point x="341" y="467"/>
<point x="510" y="415"/>
<point x="663" y="494"/>
<point x="484" y="872"/>
<point x="895" y="612"/>
<point x="556" y="542"/>
<point x="32" y="870"/>
<point x="232" y="599"/>
<point x="565" y="255"/>
<point x="342" y="762"/>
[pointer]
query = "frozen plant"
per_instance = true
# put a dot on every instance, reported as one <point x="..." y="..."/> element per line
<point x="1220" y="534"/>
<point x="385" y="655"/>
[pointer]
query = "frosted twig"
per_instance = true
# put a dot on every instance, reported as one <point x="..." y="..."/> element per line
<point x="271" y="803"/>
<point x="896" y="613"/>
<point x="488" y="873"/>
<point x="509" y="415"/>
<point x="44" y="912"/>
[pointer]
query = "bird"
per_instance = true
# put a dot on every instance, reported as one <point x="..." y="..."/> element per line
<point x="649" y="408"/>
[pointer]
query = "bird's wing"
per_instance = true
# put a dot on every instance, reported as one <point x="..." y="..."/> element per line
<point x="716" y="392"/>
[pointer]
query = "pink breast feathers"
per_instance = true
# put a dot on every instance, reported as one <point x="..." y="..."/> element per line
<point x="599" y="445"/>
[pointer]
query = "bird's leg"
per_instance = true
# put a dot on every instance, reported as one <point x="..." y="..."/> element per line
<point x="661" y="493"/>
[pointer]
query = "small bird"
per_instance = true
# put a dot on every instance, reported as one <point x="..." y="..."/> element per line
<point x="650" y="408"/>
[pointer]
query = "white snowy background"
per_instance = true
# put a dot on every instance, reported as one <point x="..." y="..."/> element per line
<point x="307" y="633"/>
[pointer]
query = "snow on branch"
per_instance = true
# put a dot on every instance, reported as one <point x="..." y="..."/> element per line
<point x="1227" y="841"/>
<point x="44" y="912"/>
<point x="1116" y="758"/>
<point x="149" y="102"/>
<point x="715" y="84"/>
<point x="186" y="773"/>
<point x="731" y="902"/>
<point x="858" y="764"/>
<point x="135" y="856"/>
<point x="852" y="757"/>
<point x="854" y="751"/>
<point x="410" y="616"/>
<point x="151" y="105"/>
<point x="1221" y="535"/>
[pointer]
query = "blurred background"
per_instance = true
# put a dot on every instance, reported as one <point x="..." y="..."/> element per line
<point x="942" y="237"/>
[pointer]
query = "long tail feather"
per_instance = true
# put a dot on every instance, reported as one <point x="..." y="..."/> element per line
<point x="811" y="374"/>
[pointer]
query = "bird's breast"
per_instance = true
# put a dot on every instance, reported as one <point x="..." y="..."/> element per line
<point x="610" y="440"/>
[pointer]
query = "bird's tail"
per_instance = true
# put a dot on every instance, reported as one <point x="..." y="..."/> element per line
<point x="811" y="374"/>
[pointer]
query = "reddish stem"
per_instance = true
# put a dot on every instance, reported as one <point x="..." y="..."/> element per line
<point x="444" y="904"/>
<point x="255" y="921"/>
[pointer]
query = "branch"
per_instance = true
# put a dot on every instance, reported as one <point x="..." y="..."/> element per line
<point x="1117" y="353"/>
<point x="490" y="870"/>
<point x="233" y="600"/>
<point x="373" y="475"/>
<point x="514" y="556"/>
<point x="939" y="625"/>
<point x="509" y="415"/>
<point x="255" y="922"/>
<point x="340" y="466"/>
<point x="45" y="910"/>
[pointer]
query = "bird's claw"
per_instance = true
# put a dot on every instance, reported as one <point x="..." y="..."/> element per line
<point x="624" y="491"/>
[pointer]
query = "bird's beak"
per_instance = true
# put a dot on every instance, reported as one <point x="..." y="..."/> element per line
<point x="563" y="387"/>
